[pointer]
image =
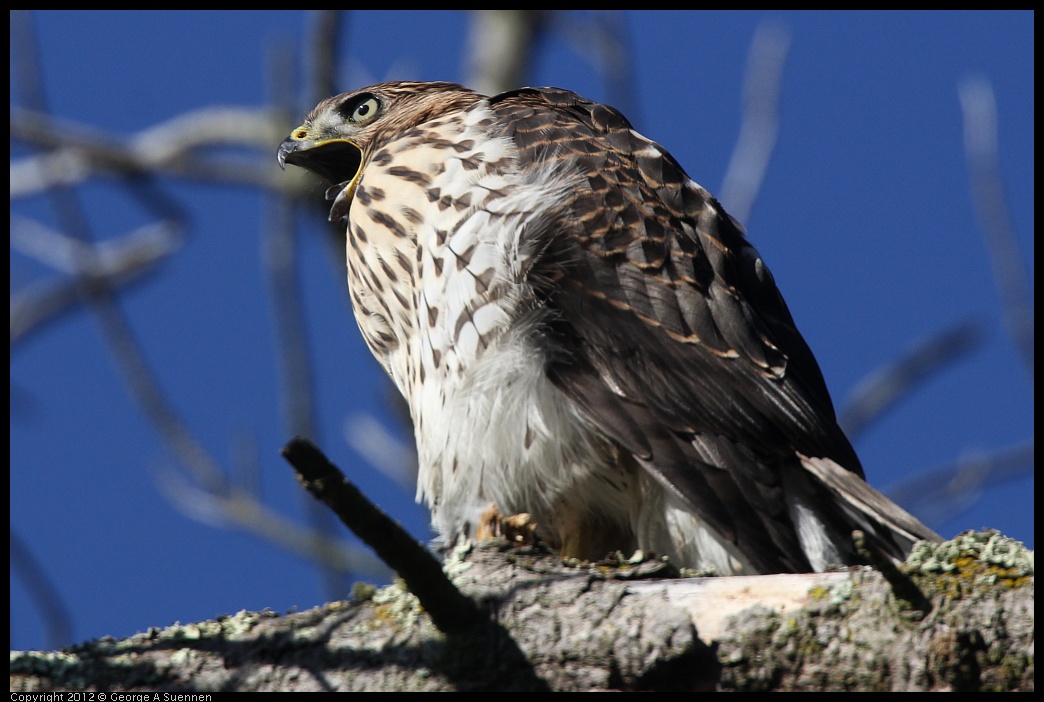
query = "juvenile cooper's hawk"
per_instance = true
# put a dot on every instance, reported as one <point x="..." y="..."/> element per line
<point x="584" y="334"/>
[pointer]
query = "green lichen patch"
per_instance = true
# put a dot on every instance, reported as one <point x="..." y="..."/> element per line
<point x="971" y="562"/>
<point x="396" y="605"/>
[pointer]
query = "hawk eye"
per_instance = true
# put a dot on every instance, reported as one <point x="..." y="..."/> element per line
<point x="365" y="110"/>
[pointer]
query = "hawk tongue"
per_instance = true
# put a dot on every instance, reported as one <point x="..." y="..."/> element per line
<point x="342" y="200"/>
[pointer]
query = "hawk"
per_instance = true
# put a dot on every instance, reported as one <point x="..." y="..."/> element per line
<point x="584" y="334"/>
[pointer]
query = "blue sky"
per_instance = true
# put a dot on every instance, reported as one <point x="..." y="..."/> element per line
<point x="864" y="217"/>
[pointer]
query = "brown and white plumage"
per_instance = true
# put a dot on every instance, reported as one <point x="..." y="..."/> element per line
<point x="583" y="334"/>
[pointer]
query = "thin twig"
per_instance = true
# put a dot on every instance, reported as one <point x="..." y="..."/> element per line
<point x="500" y="45"/>
<point x="322" y="47"/>
<point x="113" y="265"/>
<point x="383" y="450"/>
<point x="760" y="125"/>
<point x="43" y="592"/>
<point x="153" y="150"/>
<point x="600" y="37"/>
<point x="242" y="509"/>
<point x="76" y="152"/>
<point x="280" y="261"/>
<point x="942" y="494"/>
<point x="297" y="388"/>
<point x="880" y="390"/>
<point x="987" y="188"/>
<point x="130" y="358"/>
<point x="451" y="611"/>
<point x="617" y="62"/>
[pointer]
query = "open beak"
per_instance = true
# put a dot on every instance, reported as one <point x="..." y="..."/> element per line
<point x="337" y="161"/>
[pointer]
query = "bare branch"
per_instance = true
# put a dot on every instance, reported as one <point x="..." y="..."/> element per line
<point x="500" y="44"/>
<point x="38" y="303"/>
<point x="945" y="493"/>
<point x="987" y="188"/>
<point x="760" y="125"/>
<point x="242" y="509"/>
<point x="280" y="261"/>
<point x="452" y="612"/>
<point x="615" y="60"/>
<point x="145" y="389"/>
<point x="381" y="449"/>
<point x="112" y="264"/>
<point x="26" y="79"/>
<point x="604" y="628"/>
<point x="325" y="27"/>
<point x="76" y="152"/>
<point x="601" y="38"/>
<point x="880" y="390"/>
<point x="297" y="389"/>
<point x="112" y="260"/>
<point x="82" y="261"/>
<point x="42" y="591"/>
<point x="166" y="148"/>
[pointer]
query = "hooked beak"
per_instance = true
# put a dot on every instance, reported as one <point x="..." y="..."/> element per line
<point x="334" y="160"/>
<point x="337" y="161"/>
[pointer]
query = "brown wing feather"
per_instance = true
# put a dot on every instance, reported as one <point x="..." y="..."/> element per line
<point x="670" y="333"/>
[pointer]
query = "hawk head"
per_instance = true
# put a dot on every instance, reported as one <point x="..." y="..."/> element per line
<point x="343" y="132"/>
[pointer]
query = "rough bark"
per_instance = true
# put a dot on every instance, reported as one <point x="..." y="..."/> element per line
<point x="622" y="626"/>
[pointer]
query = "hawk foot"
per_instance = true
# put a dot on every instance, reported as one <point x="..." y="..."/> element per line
<point x="517" y="529"/>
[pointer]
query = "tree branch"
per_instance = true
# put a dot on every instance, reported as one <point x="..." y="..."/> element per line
<point x="884" y="387"/>
<point x="759" y="128"/>
<point x="987" y="188"/>
<point x="452" y="612"/>
<point x="597" y="628"/>
<point x="76" y="152"/>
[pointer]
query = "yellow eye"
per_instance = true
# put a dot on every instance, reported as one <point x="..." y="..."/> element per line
<point x="365" y="111"/>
